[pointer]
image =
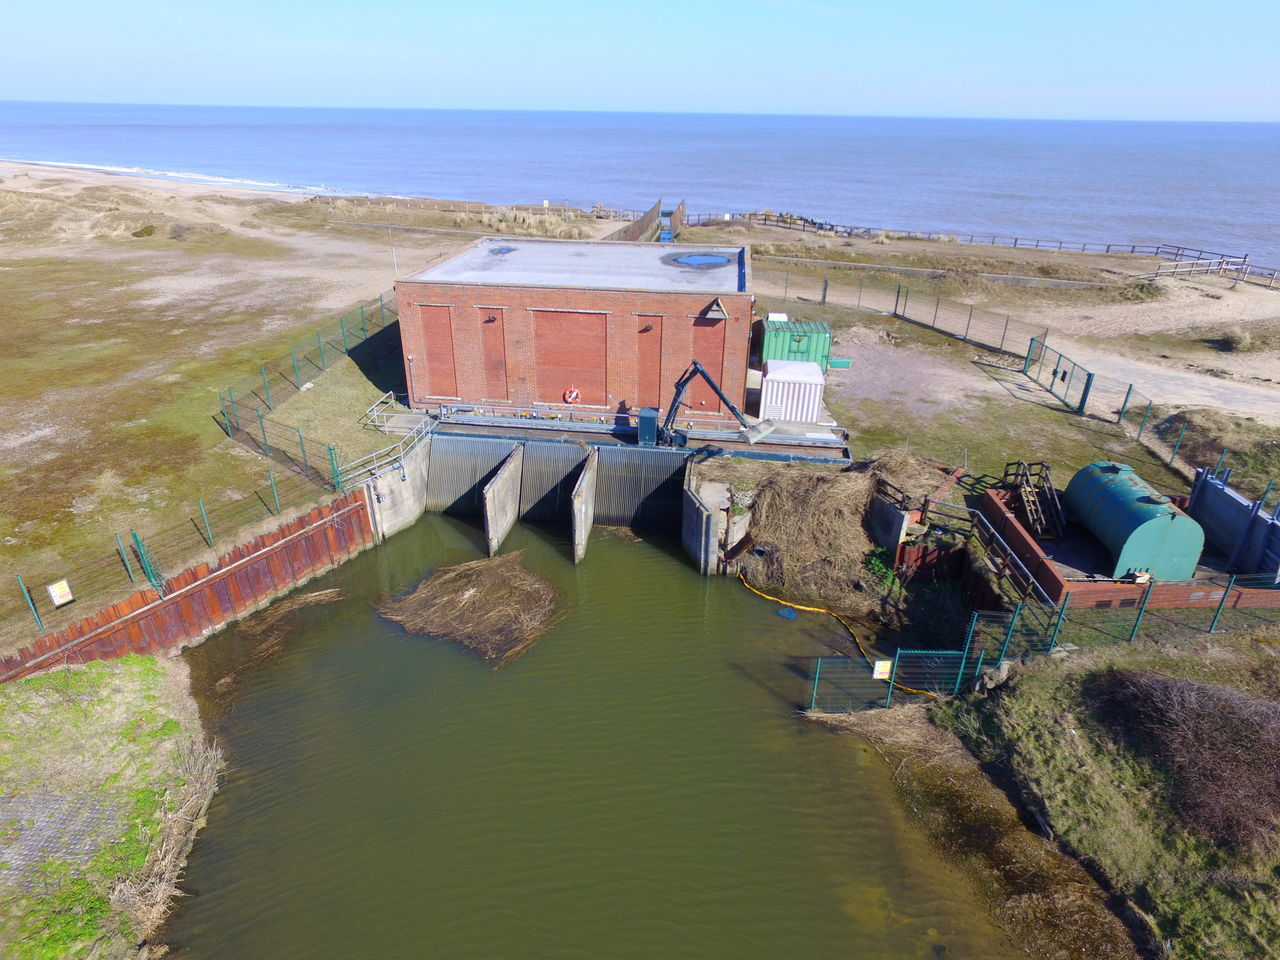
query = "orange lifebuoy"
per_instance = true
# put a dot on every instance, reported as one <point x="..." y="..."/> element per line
<point x="572" y="396"/>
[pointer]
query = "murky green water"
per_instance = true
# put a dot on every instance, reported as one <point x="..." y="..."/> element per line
<point x="635" y="786"/>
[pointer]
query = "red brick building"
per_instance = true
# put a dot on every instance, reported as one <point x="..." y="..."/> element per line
<point x="520" y="322"/>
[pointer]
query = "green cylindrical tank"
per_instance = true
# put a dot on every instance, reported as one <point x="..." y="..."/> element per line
<point x="1141" y="528"/>
<point x="805" y="340"/>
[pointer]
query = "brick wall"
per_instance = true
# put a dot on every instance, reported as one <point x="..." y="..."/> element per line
<point x="470" y="341"/>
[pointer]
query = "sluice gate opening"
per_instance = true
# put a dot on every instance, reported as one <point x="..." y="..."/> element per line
<point x="500" y="481"/>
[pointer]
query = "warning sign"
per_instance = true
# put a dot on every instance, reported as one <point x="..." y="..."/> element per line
<point x="60" y="593"/>
<point x="882" y="669"/>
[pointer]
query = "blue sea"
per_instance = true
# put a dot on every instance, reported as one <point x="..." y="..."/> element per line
<point x="1211" y="185"/>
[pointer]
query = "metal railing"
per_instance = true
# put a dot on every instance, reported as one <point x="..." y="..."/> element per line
<point x="387" y="460"/>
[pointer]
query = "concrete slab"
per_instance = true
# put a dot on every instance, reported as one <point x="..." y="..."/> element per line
<point x="520" y="261"/>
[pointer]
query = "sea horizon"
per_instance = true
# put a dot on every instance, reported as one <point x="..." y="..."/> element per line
<point x="1207" y="184"/>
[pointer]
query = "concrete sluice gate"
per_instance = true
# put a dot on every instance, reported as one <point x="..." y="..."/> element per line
<point x="502" y="481"/>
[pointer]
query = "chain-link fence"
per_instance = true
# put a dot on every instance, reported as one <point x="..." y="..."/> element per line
<point x="305" y="471"/>
<point x="282" y="377"/>
<point x="100" y="573"/>
<point x="315" y="459"/>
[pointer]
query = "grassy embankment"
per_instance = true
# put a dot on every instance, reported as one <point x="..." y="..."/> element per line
<point x="104" y="779"/>
<point x="1155" y="765"/>
<point x="109" y="386"/>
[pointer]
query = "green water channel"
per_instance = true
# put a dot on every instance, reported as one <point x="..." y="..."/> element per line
<point x="637" y="785"/>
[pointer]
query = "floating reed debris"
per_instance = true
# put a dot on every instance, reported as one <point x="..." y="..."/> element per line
<point x="494" y="607"/>
<point x="269" y="627"/>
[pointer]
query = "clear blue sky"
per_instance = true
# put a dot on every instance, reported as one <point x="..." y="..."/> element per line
<point x="982" y="58"/>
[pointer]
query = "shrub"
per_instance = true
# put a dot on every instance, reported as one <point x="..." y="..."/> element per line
<point x="1238" y="340"/>
<point x="1220" y="747"/>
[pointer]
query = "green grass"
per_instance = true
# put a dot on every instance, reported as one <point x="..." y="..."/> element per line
<point x="109" y="730"/>
<point x="119" y="395"/>
<point x="1253" y="449"/>
<point x="1109" y="806"/>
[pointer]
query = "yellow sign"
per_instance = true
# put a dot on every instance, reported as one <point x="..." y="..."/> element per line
<point x="60" y="593"/>
<point x="882" y="669"/>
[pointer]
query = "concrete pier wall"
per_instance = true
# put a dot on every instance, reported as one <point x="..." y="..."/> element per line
<point x="584" y="505"/>
<point x="397" y="500"/>
<point x="500" y="499"/>
<point x="700" y="530"/>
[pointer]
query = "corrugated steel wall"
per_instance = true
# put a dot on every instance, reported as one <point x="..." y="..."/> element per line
<point x="790" y="401"/>
<point x="205" y="597"/>
<point x="459" y="469"/>
<point x="550" y="472"/>
<point x="639" y="487"/>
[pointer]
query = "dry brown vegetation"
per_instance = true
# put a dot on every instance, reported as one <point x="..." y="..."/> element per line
<point x="1046" y="903"/>
<point x="494" y="607"/>
<point x="809" y="533"/>
<point x="1220" y="748"/>
<point x="271" y="628"/>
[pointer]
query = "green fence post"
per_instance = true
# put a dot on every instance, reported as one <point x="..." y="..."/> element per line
<point x="226" y="420"/>
<point x="382" y="311"/>
<point x="1004" y="333"/>
<point x="1221" y="458"/>
<point x="1143" y="425"/>
<point x="1225" y="594"/>
<point x="297" y="377"/>
<point x="151" y="571"/>
<point x="893" y="677"/>
<point x="128" y="567"/>
<point x="1125" y="405"/>
<point x="364" y="326"/>
<point x="969" y="323"/>
<point x="275" y="494"/>
<point x="266" y="389"/>
<point x="906" y="295"/>
<point x="817" y="672"/>
<point x="303" y="448"/>
<point x="1181" y="434"/>
<point x="964" y="657"/>
<point x="978" y="669"/>
<point x="208" y="531"/>
<point x="30" y="603"/>
<point x="232" y="397"/>
<point x="342" y="326"/>
<point x="333" y="465"/>
<point x="320" y="344"/>
<point x="1008" y="634"/>
<point x="263" y="427"/>
<point x="1026" y="364"/>
<point x="896" y="298"/>
<point x="1137" y="621"/>
<point x="1266" y="493"/>
<point x="1057" y="627"/>
<point x="1084" y="394"/>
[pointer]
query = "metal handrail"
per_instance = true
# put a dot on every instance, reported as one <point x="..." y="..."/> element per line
<point x="387" y="460"/>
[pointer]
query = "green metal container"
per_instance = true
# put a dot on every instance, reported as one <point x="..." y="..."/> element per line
<point x="803" y="340"/>
<point x="1140" y="527"/>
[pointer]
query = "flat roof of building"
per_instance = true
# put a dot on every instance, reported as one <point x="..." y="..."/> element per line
<point x="520" y="261"/>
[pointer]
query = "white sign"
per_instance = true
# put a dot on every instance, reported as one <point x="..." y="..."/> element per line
<point x="882" y="669"/>
<point x="60" y="593"/>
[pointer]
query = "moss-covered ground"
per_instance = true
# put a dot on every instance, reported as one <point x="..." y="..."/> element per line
<point x="96" y="763"/>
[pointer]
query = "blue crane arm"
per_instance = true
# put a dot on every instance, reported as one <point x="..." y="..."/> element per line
<point x="695" y="370"/>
